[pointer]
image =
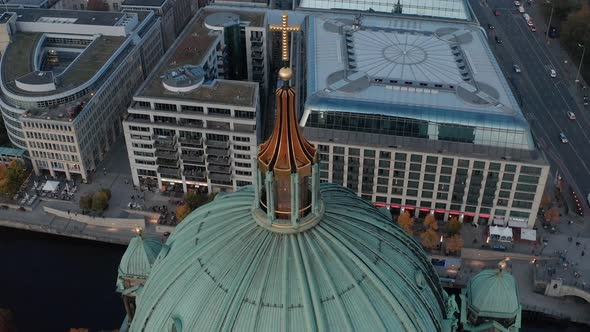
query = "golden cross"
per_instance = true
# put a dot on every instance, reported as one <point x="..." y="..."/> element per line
<point x="284" y="28"/>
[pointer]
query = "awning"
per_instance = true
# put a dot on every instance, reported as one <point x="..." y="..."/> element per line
<point x="528" y="234"/>
<point x="499" y="221"/>
<point x="516" y="223"/>
<point x="503" y="234"/>
<point x="51" y="186"/>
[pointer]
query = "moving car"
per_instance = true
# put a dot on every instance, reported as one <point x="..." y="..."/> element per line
<point x="491" y="27"/>
<point x="585" y="98"/>
<point x="553" y="73"/>
<point x="516" y="68"/>
<point x="571" y="115"/>
<point x="497" y="12"/>
<point x="498" y="39"/>
<point x="517" y="3"/>
<point x="533" y="29"/>
<point x="562" y="138"/>
<point x="521" y="9"/>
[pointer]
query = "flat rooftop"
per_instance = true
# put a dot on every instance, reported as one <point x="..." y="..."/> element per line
<point x="433" y="70"/>
<point x="143" y="3"/>
<point x="454" y="9"/>
<point x="190" y="49"/>
<point x="18" y="61"/>
<point x="83" y="17"/>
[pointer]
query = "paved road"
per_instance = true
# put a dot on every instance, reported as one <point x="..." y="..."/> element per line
<point x="544" y="100"/>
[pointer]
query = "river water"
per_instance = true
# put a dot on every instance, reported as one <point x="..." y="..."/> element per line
<point x="53" y="283"/>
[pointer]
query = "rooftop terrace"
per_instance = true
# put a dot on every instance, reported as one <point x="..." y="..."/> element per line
<point x="18" y="61"/>
<point x="191" y="49"/>
<point x="82" y="17"/>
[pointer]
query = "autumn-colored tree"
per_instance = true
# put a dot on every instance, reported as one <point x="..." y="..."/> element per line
<point x="182" y="211"/>
<point x="430" y="222"/>
<point x="454" y="226"/>
<point x="429" y="239"/>
<point x="12" y="177"/>
<point x="107" y="192"/>
<point x="546" y="201"/>
<point x="194" y="200"/>
<point x="86" y="202"/>
<point x="576" y="31"/>
<point x="406" y="222"/>
<point x="454" y="244"/>
<point x="97" y="5"/>
<point x="552" y="215"/>
<point x="100" y="201"/>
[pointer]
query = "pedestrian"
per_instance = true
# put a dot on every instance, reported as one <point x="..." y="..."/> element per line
<point x="582" y="252"/>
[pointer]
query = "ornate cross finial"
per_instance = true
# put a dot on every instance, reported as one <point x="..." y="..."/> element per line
<point x="284" y="28"/>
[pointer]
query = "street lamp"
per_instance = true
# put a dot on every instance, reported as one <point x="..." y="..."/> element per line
<point x="581" y="61"/>
<point x="549" y="24"/>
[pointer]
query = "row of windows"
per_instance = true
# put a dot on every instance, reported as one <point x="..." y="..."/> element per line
<point x="47" y="126"/>
<point x="49" y="137"/>
<point x="51" y="146"/>
<point x="197" y="109"/>
<point x="57" y="156"/>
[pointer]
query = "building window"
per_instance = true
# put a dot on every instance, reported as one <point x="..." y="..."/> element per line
<point x="510" y="168"/>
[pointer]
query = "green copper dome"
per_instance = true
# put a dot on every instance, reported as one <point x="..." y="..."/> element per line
<point x="493" y="293"/>
<point x="137" y="261"/>
<point x="354" y="270"/>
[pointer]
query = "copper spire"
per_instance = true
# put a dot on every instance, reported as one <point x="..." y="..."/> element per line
<point x="287" y="152"/>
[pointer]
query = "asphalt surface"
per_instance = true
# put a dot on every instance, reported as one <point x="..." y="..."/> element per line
<point x="544" y="100"/>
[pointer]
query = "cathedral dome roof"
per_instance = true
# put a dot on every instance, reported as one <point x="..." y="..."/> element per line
<point x="137" y="261"/>
<point x="493" y="293"/>
<point x="354" y="270"/>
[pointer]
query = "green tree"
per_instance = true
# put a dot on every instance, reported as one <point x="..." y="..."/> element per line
<point x="454" y="226"/>
<point x="194" y="200"/>
<point x="430" y="223"/>
<point x="100" y="201"/>
<point x="86" y="202"/>
<point x="429" y="239"/>
<point x="182" y="211"/>
<point x="406" y="222"/>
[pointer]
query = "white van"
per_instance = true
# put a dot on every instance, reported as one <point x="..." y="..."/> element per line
<point x="521" y="9"/>
<point x="526" y="17"/>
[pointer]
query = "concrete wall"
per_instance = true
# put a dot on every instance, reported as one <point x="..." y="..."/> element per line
<point x="122" y="223"/>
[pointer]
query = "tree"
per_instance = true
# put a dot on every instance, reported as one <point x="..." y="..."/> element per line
<point x="97" y="5"/>
<point x="12" y="177"/>
<point x="430" y="223"/>
<point x="454" y="244"/>
<point x="454" y="226"/>
<point x="194" y="200"/>
<point x="552" y="215"/>
<point x="546" y="201"/>
<point x="86" y="202"/>
<point x="406" y="222"/>
<point x="107" y="192"/>
<point x="429" y="239"/>
<point x="182" y="211"/>
<point x="100" y="201"/>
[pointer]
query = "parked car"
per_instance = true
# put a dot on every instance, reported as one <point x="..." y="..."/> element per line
<point x="516" y="68"/>
<point x="553" y="73"/>
<point x="563" y="138"/>
<point x="571" y="115"/>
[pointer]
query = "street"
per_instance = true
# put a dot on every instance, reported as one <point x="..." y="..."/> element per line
<point x="544" y="100"/>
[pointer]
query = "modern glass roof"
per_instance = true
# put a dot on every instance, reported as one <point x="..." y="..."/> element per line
<point x="455" y="9"/>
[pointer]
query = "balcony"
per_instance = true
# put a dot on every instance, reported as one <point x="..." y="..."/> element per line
<point x="220" y="179"/>
<point x="192" y="124"/>
<point x="165" y="142"/>
<point x="224" y="161"/>
<point x="220" y="169"/>
<point x="137" y="118"/>
<point x="217" y="144"/>
<point x="168" y="163"/>
<point x="194" y="175"/>
<point x="191" y="141"/>
<point x="195" y="158"/>
<point x="169" y="172"/>
<point x="218" y="152"/>
<point x="166" y="154"/>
